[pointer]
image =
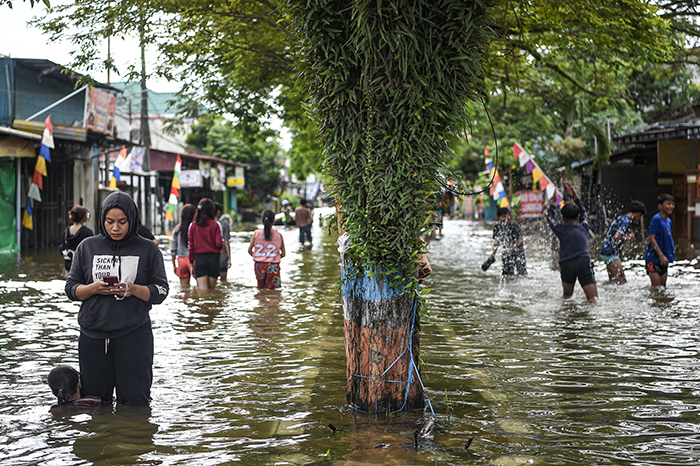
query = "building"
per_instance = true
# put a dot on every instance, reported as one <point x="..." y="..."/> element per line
<point x="661" y="159"/>
<point x="83" y="122"/>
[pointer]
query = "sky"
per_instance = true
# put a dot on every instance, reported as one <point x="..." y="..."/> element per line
<point x="18" y="40"/>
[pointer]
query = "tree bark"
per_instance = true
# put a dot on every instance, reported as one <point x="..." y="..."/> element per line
<point x="382" y="340"/>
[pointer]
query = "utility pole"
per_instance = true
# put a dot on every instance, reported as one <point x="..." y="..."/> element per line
<point x="145" y="129"/>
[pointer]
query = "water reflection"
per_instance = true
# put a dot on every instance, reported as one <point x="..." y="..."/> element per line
<point x="119" y="434"/>
<point x="255" y="376"/>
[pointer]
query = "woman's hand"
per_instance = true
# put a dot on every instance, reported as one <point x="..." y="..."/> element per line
<point x="100" y="287"/>
<point x="121" y="290"/>
<point x="126" y="289"/>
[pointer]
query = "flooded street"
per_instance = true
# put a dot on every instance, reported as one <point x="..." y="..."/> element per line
<point x="251" y="377"/>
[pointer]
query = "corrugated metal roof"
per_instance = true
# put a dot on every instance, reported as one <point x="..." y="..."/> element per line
<point x="45" y="67"/>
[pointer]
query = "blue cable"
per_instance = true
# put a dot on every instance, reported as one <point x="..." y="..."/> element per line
<point x="412" y="367"/>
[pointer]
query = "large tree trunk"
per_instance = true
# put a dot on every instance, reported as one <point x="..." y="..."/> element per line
<point x="382" y="338"/>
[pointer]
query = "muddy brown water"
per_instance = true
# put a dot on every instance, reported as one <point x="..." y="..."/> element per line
<point x="243" y="376"/>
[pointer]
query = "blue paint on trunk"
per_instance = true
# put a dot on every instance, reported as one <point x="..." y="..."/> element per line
<point x="370" y="288"/>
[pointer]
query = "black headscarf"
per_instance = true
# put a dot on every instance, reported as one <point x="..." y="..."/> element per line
<point x="124" y="202"/>
<point x="119" y="200"/>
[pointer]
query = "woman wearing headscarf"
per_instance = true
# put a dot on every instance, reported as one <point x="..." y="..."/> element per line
<point x="118" y="275"/>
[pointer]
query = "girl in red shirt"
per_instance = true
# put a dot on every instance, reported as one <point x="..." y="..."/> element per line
<point x="205" y="245"/>
<point x="267" y="249"/>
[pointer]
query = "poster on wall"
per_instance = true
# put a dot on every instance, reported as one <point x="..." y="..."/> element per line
<point x="191" y="179"/>
<point x="99" y="111"/>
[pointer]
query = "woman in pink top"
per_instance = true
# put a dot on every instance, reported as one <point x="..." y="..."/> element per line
<point x="205" y="245"/>
<point x="267" y="249"/>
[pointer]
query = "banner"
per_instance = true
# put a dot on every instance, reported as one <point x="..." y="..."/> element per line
<point x="531" y="204"/>
<point x="100" y="107"/>
<point x="237" y="181"/>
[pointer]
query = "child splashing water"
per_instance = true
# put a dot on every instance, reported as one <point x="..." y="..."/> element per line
<point x="267" y="249"/>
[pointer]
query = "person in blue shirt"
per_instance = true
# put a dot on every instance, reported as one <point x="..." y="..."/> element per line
<point x="574" y="258"/>
<point x="660" y="250"/>
<point x="618" y="232"/>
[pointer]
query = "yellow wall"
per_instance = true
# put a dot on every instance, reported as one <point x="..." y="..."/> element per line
<point x="668" y="159"/>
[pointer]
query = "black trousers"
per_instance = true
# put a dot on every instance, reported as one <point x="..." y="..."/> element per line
<point x="124" y="363"/>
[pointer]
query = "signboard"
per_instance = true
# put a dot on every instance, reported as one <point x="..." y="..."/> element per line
<point x="191" y="179"/>
<point x="12" y="146"/>
<point x="99" y="111"/>
<point x="237" y="181"/>
<point x="531" y="203"/>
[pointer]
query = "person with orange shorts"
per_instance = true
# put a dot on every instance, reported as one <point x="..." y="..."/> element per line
<point x="179" y="246"/>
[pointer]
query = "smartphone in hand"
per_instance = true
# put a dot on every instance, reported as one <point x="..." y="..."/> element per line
<point x="111" y="280"/>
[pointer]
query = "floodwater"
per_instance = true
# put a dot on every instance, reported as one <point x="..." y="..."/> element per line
<point x="252" y="377"/>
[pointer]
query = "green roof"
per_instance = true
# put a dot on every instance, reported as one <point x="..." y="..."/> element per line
<point x="158" y="102"/>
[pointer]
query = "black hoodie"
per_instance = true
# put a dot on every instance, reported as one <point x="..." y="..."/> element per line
<point x="132" y="259"/>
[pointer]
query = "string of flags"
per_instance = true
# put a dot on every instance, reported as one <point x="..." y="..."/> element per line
<point x="39" y="172"/>
<point x="497" y="191"/>
<point x="538" y="175"/>
<point x="174" y="191"/>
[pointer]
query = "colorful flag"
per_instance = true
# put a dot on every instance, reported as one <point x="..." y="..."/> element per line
<point x="47" y="138"/>
<point x="530" y="165"/>
<point x="34" y="192"/>
<point x="134" y="161"/>
<point x="37" y="179"/>
<point x="27" y="219"/>
<point x="504" y="202"/>
<point x="174" y="193"/>
<point x="118" y="166"/>
<point x="41" y="165"/>
<point x="517" y="150"/>
<point x="537" y="174"/>
<point x="550" y="191"/>
<point x="45" y="152"/>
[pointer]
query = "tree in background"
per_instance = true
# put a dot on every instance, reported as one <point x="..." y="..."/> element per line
<point x="259" y="150"/>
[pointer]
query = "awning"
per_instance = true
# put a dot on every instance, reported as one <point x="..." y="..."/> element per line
<point x="71" y="133"/>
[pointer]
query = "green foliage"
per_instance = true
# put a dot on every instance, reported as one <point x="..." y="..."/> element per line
<point x="31" y="2"/>
<point x="569" y="150"/>
<point x="245" y="201"/>
<point x="663" y="93"/>
<point x="259" y="151"/>
<point x="388" y="86"/>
